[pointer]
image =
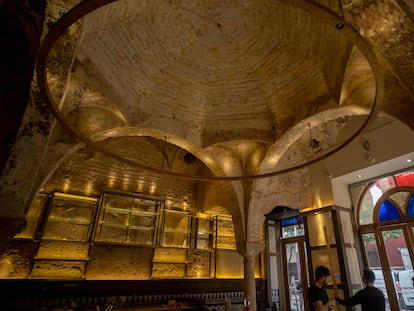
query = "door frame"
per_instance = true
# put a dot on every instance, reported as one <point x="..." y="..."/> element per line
<point x="301" y="240"/>
<point x="382" y="253"/>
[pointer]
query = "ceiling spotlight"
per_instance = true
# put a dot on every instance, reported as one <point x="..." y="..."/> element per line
<point x="340" y="25"/>
<point x="409" y="160"/>
<point x="359" y="175"/>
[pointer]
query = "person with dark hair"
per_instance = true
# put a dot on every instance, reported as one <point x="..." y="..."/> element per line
<point x="317" y="296"/>
<point x="370" y="298"/>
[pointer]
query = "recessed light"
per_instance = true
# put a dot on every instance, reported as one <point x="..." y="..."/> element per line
<point x="409" y="160"/>
<point x="359" y="175"/>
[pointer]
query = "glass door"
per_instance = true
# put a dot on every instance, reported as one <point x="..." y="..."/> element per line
<point x="389" y="257"/>
<point x="294" y="254"/>
<point x="374" y="263"/>
<point x="399" y="266"/>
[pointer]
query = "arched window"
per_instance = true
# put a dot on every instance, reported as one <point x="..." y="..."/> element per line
<point x="387" y="199"/>
<point x="385" y="209"/>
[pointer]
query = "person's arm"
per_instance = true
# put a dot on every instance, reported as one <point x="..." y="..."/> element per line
<point x="350" y="302"/>
<point x="323" y="307"/>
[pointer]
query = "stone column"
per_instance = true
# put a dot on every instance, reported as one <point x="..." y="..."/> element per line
<point x="251" y="251"/>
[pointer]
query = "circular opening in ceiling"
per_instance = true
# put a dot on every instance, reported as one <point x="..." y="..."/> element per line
<point x="63" y="25"/>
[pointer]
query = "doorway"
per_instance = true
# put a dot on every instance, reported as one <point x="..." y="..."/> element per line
<point x="386" y="222"/>
<point x="294" y="264"/>
<point x="387" y="253"/>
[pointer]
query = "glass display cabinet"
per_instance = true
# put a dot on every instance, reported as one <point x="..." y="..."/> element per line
<point x="224" y="233"/>
<point x="128" y="219"/>
<point x="204" y="232"/>
<point x="176" y="229"/>
<point x="64" y="246"/>
<point x="69" y="218"/>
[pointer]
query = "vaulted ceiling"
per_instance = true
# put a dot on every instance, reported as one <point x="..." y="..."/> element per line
<point x="191" y="90"/>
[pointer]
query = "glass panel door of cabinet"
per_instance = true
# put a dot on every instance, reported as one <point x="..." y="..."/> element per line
<point x="204" y="233"/>
<point x="176" y="229"/>
<point x="294" y="261"/>
<point x="224" y="233"/>
<point x="69" y="218"/>
<point x="128" y="219"/>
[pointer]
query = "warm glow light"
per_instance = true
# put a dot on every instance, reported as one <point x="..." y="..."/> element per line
<point x="140" y="186"/>
<point x="227" y="165"/>
<point x="359" y="175"/>
<point x="125" y="183"/>
<point x="409" y="160"/>
<point x="272" y="160"/>
<point x="73" y="196"/>
<point x="66" y="185"/>
<point x="88" y="188"/>
<point x="111" y="179"/>
<point x="153" y="187"/>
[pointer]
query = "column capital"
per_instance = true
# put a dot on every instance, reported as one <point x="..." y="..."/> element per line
<point x="251" y="249"/>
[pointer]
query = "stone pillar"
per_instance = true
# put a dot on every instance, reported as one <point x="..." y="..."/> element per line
<point x="251" y="251"/>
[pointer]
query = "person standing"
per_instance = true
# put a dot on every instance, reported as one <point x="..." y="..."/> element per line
<point x="317" y="296"/>
<point x="370" y="298"/>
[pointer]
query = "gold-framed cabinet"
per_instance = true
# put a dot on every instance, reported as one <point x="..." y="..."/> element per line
<point x="122" y="236"/>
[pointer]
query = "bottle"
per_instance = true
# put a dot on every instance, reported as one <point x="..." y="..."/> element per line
<point x="246" y="303"/>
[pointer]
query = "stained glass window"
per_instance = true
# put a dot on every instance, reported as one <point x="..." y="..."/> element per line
<point x="388" y="211"/>
<point x="410" y="206"/>
<point x="405" y="179"/>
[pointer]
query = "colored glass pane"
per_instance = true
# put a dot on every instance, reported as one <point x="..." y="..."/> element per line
<point x="385" y="184"/>
<point x="410" y="206"/>
<point x="405" y="179"/>
<point x="400" y="198"/>
<point x="366" y="209"/>
<point x="291" y="221"/>
<point x="388" y="211"/>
